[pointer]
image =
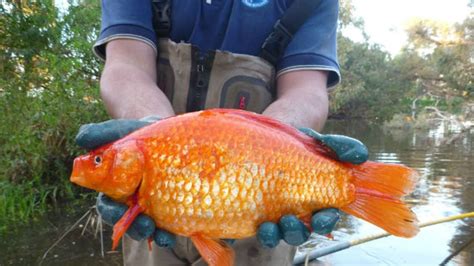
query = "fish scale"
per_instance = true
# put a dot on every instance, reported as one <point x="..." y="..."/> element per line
<point x="220" y="174"/>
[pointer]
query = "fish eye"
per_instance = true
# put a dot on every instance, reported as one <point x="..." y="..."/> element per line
<point x="97" y="160"/>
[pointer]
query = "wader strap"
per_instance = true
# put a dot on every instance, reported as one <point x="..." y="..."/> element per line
<point x="293" y="18"/>
<point x="161" y="17"/>
<point x="201" y="67"/>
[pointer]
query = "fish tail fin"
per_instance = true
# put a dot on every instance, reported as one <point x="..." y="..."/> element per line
<point x="215" y="253"/>
<point x="378" y="189"/>
<point x="124" y="223"/>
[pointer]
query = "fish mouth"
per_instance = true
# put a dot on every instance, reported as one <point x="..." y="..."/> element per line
<point x="78" y="176"/>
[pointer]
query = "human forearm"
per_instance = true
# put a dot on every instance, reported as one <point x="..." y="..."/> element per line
<point x="303" y="114"/>
<point x="302" y="99"/>
<point x="128" y="93"/>
<point x="128" y="82"/>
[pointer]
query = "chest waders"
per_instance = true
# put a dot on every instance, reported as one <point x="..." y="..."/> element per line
<point x="195" y="80"/>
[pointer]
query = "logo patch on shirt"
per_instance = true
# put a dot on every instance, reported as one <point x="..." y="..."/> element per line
<point x="255" y="3"/>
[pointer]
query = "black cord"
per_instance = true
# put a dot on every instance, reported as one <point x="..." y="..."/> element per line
<point x="456" y="252"/>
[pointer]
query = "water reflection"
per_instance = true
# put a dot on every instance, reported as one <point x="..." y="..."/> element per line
<point x="446" y="187"/>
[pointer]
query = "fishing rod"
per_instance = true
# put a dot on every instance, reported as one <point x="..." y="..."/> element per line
<point x="316" y="253"/>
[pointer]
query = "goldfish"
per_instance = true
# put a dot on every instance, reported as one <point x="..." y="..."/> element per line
<point x="220" y="173"/>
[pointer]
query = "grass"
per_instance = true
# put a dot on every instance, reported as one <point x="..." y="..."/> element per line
<point x="20" y="202"/>
<point x="37" y="150"/>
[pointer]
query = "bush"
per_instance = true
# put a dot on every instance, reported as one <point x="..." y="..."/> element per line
<point x="38" y="147"/>
<point x="48" y="88"/>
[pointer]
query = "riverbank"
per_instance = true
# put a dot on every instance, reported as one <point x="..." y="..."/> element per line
<point x="27" y="244"/>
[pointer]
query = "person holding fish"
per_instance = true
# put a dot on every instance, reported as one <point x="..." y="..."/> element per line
<point x="170" y="57"/>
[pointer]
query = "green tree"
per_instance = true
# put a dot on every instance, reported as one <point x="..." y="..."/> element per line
<point x="48" y="88"/>
<point x="370" y="87"/>
<point x="441" y="59"/>
<point x="435" y="67"/>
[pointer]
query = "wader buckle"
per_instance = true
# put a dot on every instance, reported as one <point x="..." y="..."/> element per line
<point x="161" y="18"/>
<point x="276" y="43"/>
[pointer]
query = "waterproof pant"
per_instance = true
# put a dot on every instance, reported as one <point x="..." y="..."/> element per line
<point x="247" y="252"/>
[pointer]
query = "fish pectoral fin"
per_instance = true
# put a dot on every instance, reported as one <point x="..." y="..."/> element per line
<point x="214" y="252"/>
<point x="306" y="219"/>
<point x="124" y="223"/>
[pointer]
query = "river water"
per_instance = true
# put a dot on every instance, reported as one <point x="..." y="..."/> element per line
<point x="446" y="187"/>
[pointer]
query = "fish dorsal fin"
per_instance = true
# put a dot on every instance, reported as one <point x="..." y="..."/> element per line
<point x="214" y="252"/>
<point x="308" y="141"/>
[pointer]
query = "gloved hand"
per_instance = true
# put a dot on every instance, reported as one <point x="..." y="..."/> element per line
<point x="142" y="227"/>
<point x="92" y="136"/>
<point x="291" y="229"/>
<point x="345" y="148"/>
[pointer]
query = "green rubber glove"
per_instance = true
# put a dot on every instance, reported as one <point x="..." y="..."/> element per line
<point x="92" y="136"/>
<point x="345" y="148"/>
<point x="293" y="231"/>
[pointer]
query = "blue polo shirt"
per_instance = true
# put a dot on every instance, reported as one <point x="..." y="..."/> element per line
<point x="238" y="26"/>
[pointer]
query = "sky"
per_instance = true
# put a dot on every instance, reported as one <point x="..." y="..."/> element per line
<point x="385" y="19"/>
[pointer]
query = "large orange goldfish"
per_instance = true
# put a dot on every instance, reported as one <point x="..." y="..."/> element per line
<point x="220" y="173"/>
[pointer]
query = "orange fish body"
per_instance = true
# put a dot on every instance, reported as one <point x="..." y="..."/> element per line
<point x="221" y="173"/>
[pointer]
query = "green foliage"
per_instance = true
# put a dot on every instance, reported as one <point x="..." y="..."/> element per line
<point x="440" y="58"/>
<point x="20" y="202"/>
<point x="48" y="88"/>
<point x="370" y="87"/>
<point x="435" y="69"/>
<point x="347" y="17"/>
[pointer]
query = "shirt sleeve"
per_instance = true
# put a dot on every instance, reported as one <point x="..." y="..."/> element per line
<point x="125" y="19"/>
<point x="314" y="44"/>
